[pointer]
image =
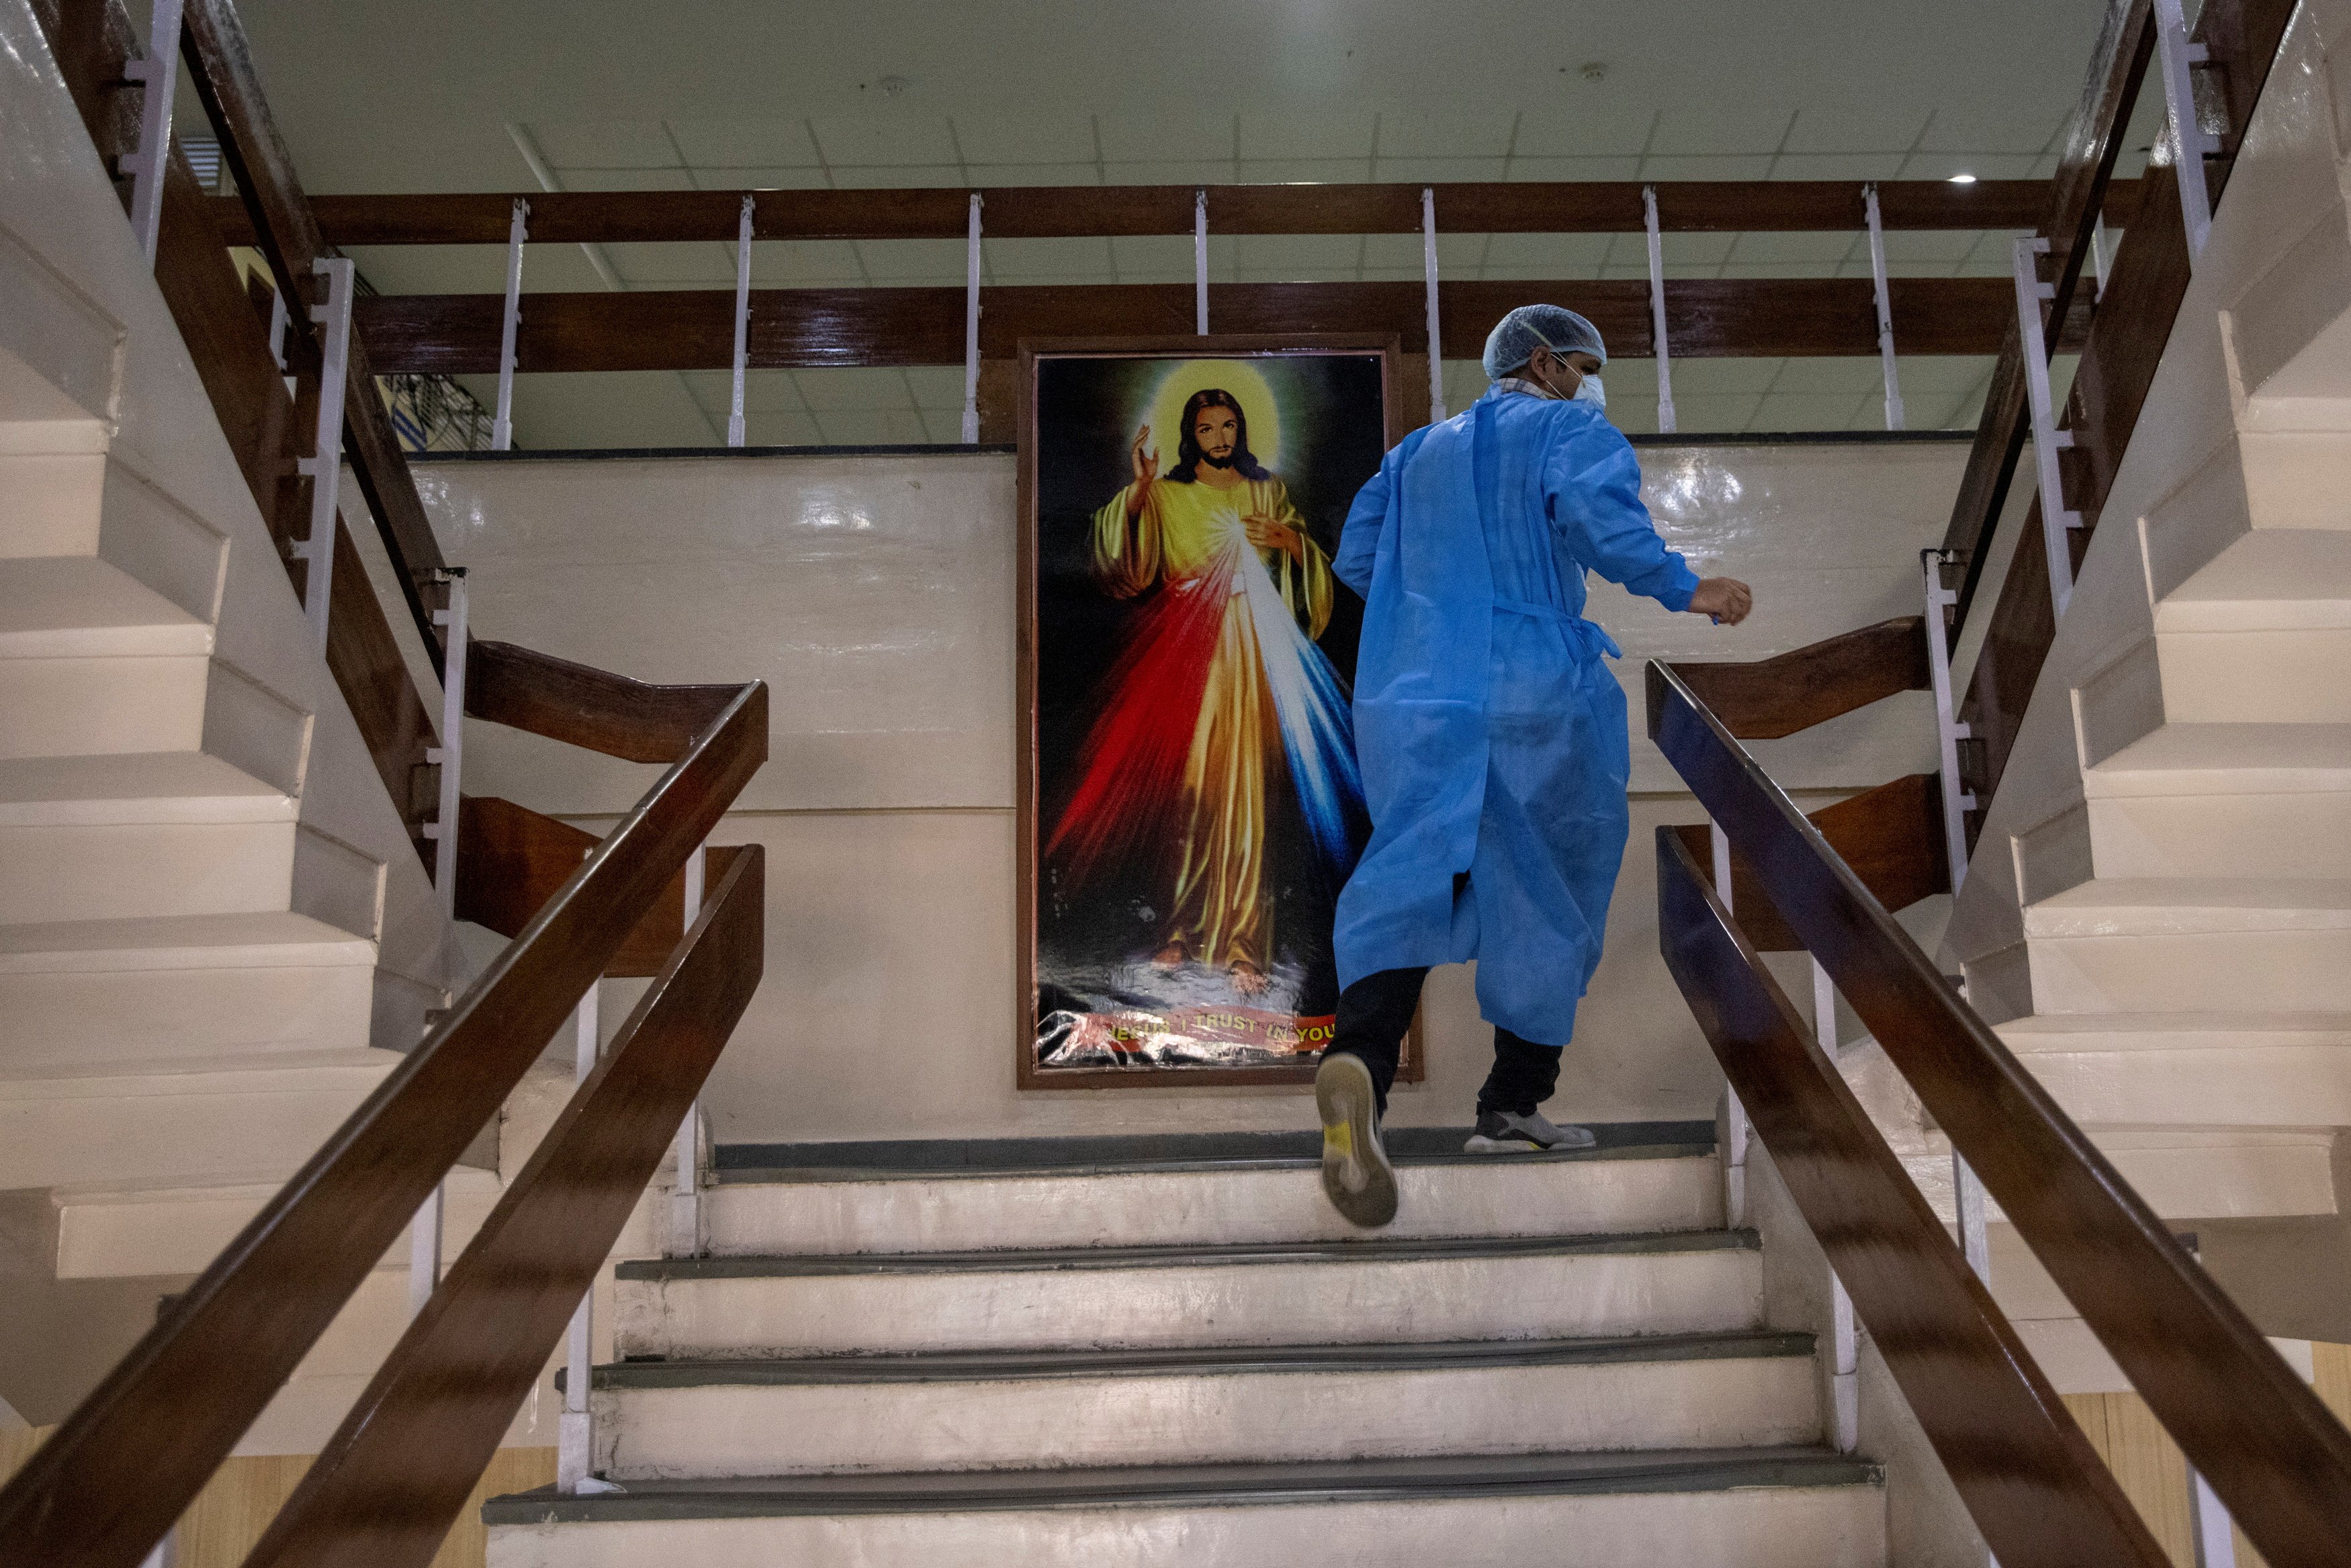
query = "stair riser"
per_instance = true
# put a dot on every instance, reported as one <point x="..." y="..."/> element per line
<point x="743" y="1430"/>
<point x="1319" y="1302"/>
<point x="2281" y="972"/>
<point x="185" y="1137"/>
<point x="179" y="1234"/>
<point x="2222" y="836"/>
<point x="76" y="873"/>
<point x="49" y="503"/>
<point x="81" y="707"/>
<point x="1199" y="1208"/>
<point x="2256" y="677"/>
<point x="2228" y="1087"/>
<point x="181" y="1013"/>
<point x="1820" y="1527"/>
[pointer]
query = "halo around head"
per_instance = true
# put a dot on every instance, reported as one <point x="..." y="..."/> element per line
<point x="1239" y="377"/>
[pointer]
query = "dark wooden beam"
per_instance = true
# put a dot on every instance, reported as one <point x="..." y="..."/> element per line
<point x="1055" y="211"/>
<point x="692" y="329"/>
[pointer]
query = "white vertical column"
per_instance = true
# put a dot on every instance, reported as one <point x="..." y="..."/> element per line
<point x="517" y="233"/>
<point x="1734" y="1113"/>
<point x="1200" y="262"/>
<point x="424" y="1231"/>
<point x="971" y="326"/>
<point x="1844" y="1337"/>
<point x="2098" y="257"/>
<point x="685" y="1204"/>
<point x="2190" y="142"/>
<point x="166" y="1552"/>
<point x="742" y="320"/>
<point x="1885" y="308"/>
<point x="450" y="753"/>
<point x="1949" y="729"/>
<point x="575" y="1445"/>
<point x="1968" y="1200"/>
<point x="324" y="469"/>
<point x="1657" y="312"/>
<point x="1436" y="338"/>
<point x="2047" y="439"/>
<point x="159" y="73"/>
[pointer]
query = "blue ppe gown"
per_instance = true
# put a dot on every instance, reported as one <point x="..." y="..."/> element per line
<point x="1491" y="736"/>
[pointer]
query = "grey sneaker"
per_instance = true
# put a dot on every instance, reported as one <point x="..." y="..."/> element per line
<point x="1507" y="1132"/>
<point x="1356" y="1175"/>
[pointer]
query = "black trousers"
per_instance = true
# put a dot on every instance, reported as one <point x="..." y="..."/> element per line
<point x="1375" y="1012"/>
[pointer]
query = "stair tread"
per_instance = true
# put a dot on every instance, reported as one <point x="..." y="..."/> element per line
<point x="2154" y="906"/>
<point x="951" y="1160"/>
<point x="2272" y="579"/>
<point x="269" y="938"/>
<point x="2228" y="759"/>
<point x="213" y="1074"/>
<point x="135" y="788"/>
<point x="1037" y="1260"/>
<point x="1367" y="1480"/>
<point x="1021" y="1366"/>
<point x="80" y="607"/>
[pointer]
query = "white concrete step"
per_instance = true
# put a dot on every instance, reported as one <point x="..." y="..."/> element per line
<point x="144" y="832"/>
<point x="92" y="661"/>
<point x="845" y="1414"/>
<point x="2267" y="580"/>
<point x="2203" y="1069"/>
<point x="125" y="1229"/>
<point x="2298" y="675"/>
<point x="1147" y="1298"/>
<point x="2186" y="1173"/>
<point x="49" y="502"/>
<point x="1739" y="1509"/>
<point x="1640" y="1179"/>
<point x="96" y="992"/>
<point x="2208" y="944"/>
<point x="189" y="1120"/>
<point x="2224" y="800"/>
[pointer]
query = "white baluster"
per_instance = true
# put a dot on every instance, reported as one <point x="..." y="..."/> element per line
<point x="324" y="468"/>
<point x="1200" y="262"/>
<point x="1885" y="308"/>
<point x="1435" y="338"/>
<point x="742" y="320"/>
<point x="1657" y="312"/>
<point x="158" y="72"/>
<point x="971" y="325"/>
<point x="2056" y="518"/>
<point x="518" y="234"/>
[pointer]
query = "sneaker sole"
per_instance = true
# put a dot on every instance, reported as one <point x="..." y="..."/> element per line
<point x="1480" y="1144"/>
<point x="1351" y="1143"/>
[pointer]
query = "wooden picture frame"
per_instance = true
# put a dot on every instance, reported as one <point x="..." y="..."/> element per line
<point x="1032" y="353"/>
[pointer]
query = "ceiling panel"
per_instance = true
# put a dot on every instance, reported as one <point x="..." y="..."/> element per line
<point x="604" y="143"/>
<point x="883" y="138"/>
<point x="1305" y="132"/>
<point x="1011" y="136"/>
<point x="755" y="143"/>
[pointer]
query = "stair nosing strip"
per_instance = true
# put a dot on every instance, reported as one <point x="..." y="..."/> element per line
<point x="1015" y="1260"/>
<point x="1199" y="1361"/>
<point x="1669" y="1472"/>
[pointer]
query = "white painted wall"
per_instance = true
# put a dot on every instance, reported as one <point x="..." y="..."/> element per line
<point x="875" y="594"/>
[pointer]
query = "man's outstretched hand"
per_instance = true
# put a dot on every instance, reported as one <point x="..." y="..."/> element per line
<point x="1727" y="599"/>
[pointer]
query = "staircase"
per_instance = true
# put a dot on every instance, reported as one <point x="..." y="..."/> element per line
<point x="2159" y="906"/>
<point x="1122" y="1350"/>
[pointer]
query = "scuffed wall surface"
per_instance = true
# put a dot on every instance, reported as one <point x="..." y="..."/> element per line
<point x="876" y="596"/>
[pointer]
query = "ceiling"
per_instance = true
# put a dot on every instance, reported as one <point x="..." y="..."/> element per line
<point x="723" y="94"/>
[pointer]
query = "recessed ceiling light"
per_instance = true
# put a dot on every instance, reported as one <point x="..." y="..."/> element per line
<point x="1964" y="179"/>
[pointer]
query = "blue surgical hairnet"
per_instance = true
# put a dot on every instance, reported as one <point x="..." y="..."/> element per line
<point x="1517" y="334"/>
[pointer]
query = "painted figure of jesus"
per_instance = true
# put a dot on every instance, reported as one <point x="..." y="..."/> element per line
<point x="1219" y="696"/>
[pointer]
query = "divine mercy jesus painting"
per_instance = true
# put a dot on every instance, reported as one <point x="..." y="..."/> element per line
<point x="1195" y="805"/>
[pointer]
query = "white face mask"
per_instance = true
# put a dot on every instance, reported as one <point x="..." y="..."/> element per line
<point x="1590" y="390"/>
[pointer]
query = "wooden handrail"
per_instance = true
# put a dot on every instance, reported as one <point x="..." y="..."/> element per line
<point x="2028" y="1476"/>
<point x="220" y="61"/>
<point x="593" y="709"/>
<point x="399" y="1468"/>
<point x="2246" y="1420"/>
<point x="1768" y="699"/>
<point x="132" y="1455"/>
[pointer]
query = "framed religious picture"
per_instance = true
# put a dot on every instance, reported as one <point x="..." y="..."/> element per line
<point x="1190" y="801"/>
